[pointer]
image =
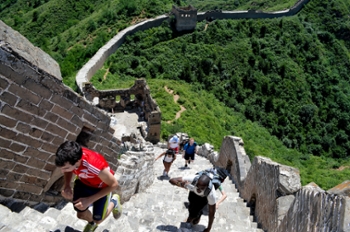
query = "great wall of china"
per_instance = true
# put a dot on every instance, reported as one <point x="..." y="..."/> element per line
<point x="38" y="112"/>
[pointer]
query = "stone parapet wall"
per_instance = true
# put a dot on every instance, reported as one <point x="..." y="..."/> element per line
<point x="37" y="114"/>
<point x="278" y="201"/>
<point x="135" y="173"/>
<point x="96" y="62"/>
<point x="314" y="210"/>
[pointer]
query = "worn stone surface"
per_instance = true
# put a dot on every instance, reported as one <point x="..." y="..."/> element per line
<point x="34" y="55"/>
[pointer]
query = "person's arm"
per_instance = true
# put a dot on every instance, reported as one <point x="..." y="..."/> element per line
<point x="159" y="156"/>
<point x="67" y="191"/>
<point x="178" y="181"/>
<point x="107" y="177"/>
<point x="223" y="197"/>
<point x="211" y="215"/>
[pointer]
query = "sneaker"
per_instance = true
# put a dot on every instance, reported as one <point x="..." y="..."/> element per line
<point x="185" y="165"/>
<point x="189" y="161"/>
<point x="117" y="210"/>
<point x="90" y="227"/>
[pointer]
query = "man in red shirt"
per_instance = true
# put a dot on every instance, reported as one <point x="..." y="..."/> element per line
<point x="93" y="185"/>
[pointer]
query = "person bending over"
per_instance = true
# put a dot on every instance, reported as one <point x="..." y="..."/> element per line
<point x="93" y="184"/>
<point x="201" y="194"/>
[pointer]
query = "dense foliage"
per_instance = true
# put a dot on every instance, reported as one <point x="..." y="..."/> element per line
<point x="289" y="75"/>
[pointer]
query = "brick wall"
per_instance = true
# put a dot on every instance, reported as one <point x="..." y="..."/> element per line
<point x="38" y="113"/>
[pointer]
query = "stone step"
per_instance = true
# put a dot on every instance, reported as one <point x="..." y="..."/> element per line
<point x="162" y="207"/>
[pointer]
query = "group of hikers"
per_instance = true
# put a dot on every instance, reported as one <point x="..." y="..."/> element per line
<point x="94" y="184"/>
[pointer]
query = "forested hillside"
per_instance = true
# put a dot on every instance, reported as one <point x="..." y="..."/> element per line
<point x="289" y="75"/>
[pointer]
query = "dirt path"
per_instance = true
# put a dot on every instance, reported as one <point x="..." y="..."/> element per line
<point x="176" y="98"/>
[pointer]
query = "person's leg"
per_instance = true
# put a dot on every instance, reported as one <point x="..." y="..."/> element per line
<point x="102" y="208"/>
<point x="166" y="167"/>
<point x="81" y="190"/>
<point x="191" y="158"/>
<point x="195" y="207"/>
<point x="187" y="157"/>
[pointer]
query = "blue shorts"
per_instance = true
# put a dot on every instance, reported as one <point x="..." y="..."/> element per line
<point x="99" y="207"/>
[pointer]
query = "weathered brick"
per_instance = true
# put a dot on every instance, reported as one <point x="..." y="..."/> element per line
<point x="53" y="84"/>
<point x="51" y="159"/>
<point x="32" y="152"/>
<point x="19" y="168"/>
<point x="13" y="75"/>
<point x="88" y="117"/>
<point x="17" y="114"/>
<point x="71" y="137"/>
<point x="18" y="148"/>
<point x="28" y="140"/>
<point x="72" y="96"/>
<point x="40" y="182"/>
<point x="49" y="148"/>
<point x="8" y="134"/>
<point x="29" y="188"/>
<point x="21" y="159"/>
<point x="51" y="117"/>
<point x="8" y="184"/>
<point x="14" y="176"/>
<point x="9" y="98"/>
<point x="3" y="173"/>
<point x="28" y="179"/>
<point x="38" y="88"/>
<point x="30" y="107"/>
<point x="3" y="83"/>
<point x="62" y="101"/>
<point x="38" y="198"/>
<point x="46" y="105"/>
<point x="44" y="174"/>
<point x="55" y="130"/>
<point x="62" y="112"/>
<point x="5" y="143"/>
<point x="49" y="167"/>
<point x="35" y="132"/>
<point x="22" y="195"/>
<point x="77" y="111"/>
<point x="22" y="127"/>
<point x="24" y="94"/>
<point x="77" y="121"/>
<point x="6" y="164"/>
<point x="6" y="192"/>
<point x="67" y="125"/>
<point x="36" y="163"/>
<point x="39" y="122"/>
<point x="7" y="122"/>
<point x="58" y="141"/>
<point x="5" y="154"/>
<point x="47" y="137"/>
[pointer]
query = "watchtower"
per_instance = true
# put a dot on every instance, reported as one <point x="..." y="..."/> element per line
<point x="186" y="18"/>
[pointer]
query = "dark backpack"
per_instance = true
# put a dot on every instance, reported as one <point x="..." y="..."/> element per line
<point x="217" y="176"/>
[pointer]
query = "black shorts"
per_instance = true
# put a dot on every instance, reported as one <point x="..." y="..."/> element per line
<point x="188" y="156"/>
<point x="99" y="207"/>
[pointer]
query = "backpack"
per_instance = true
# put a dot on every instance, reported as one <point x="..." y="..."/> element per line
<point x="217" y="176"/>
<point x="170" y="152"/>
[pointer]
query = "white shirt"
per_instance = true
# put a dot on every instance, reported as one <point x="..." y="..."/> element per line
<point x="174" y="142"/>
<point x="212" y="195"/>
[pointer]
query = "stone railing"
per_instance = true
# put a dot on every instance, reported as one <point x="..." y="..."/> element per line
<point x="278" y="201"/>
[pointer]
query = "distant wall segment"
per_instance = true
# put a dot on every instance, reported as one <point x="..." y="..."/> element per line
<point x="96" y="62"/>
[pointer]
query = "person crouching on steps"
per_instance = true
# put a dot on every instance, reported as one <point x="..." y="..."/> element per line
<point x="169" y="158"/>
<point x="93" y="185"/>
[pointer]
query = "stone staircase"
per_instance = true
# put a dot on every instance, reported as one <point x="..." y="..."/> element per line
<point x="161" y="208"/>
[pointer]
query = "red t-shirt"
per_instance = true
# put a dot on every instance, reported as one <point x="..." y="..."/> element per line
<point x="92" y="163"/>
